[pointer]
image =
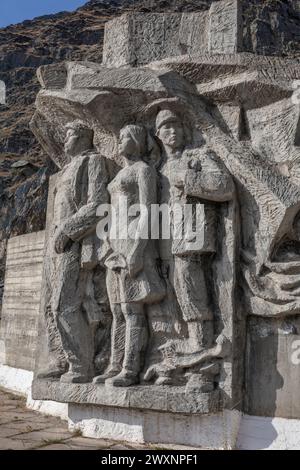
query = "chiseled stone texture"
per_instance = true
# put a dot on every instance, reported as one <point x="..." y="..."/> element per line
<point x="225" y="27"/>
<point x="126" y="92"/>
<point x="162" y="398"/>
<point x="220" y="110"/>
<point x="137" y="38"/>
<point x="22" y="292"/>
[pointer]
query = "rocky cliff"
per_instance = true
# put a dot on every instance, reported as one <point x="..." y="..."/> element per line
<point x="270" y="27"/>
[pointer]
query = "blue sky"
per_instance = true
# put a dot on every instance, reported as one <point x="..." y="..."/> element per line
<point x="15" y="11"/>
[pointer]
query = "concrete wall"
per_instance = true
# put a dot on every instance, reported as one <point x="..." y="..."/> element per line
<point x="273" y="367"/>
<point x="21" y="301"/>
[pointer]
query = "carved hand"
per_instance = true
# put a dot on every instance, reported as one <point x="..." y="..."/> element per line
<point x="61" y="242"/>
<point x="194" y="164"/>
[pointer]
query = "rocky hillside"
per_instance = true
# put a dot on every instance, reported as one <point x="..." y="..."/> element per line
<point x="24" y="169"/>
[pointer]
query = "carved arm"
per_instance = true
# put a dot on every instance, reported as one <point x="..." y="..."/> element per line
<point x="84" y="221"/>
<point x="213" y="182"/>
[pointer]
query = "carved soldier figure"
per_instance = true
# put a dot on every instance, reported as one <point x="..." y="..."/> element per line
<point x="197" y="177"/>
<point x="79" y="189"/>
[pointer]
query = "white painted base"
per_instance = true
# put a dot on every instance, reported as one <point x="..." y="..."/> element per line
<point x="217" y="431"/>
<point x="226" y="430"/>
<point x="19" y="381"/>
<point x="269" y="434"/>
<point x="15" y="380"/>
<point x="51" y="408"/>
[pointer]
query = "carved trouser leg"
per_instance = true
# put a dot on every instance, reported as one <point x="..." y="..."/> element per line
<point x="58" y="364"/>
<point x="135" y="345"/>
<point x="72" y="323"/>
<point x="117" y="345"/>
<point x="191" y="291"/>
<point x="58" y="361"/>
<point x="192" y="295"/>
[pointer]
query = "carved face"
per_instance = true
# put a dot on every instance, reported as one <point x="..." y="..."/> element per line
<point x="127" y="145"/>
<point x="78" y="141"/>
<point x="171" y="135"/>
<point x="71" y="142"/>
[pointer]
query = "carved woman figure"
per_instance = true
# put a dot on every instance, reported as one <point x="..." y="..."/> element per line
<point x="132" y="277"/>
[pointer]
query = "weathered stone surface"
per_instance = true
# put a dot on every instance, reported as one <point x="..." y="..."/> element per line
<point x="216" y="431"/>
<point x="22" y="294"/>
<point x="272" y="367"/>
<point x="215" y="131"/>
<point x="225" y="27"/>
<point x="156" y="98"/>
<point x="202" y="68"/>
<point x="221" y="26"/>
<point x="52" y="77"/>
<point x="137" y="39"/>
<point x="269" y="27"/>
<point x="251" y="90"/>
<point x="167" y="398"/>
<point x="206" y="334"/>
<point x="193" y="33"/>
<point x="136" y="87"/>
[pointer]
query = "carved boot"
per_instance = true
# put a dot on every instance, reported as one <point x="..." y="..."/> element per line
<point x="124" y="379"/>
<point x="112" y="371"/>
<point x="54" y="371"/>
<point x="136" y="341"/>
<point x="75" y="377"/>
<point x="200" y="339"/>
<point x="78" y="373"/>
<point x="117" y="347"/>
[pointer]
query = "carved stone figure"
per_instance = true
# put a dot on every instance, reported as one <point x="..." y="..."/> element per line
<point x="132" y="276"/>
<point x="80" y="187"/>
<point x="192" y="177"/>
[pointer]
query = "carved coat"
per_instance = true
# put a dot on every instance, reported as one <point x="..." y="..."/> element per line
<point x="136" y="183"/>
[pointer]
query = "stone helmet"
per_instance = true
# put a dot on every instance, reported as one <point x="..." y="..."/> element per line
<point x="164" y="116"/>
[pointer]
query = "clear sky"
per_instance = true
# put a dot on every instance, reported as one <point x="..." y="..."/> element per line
<point x="15" y="11"/>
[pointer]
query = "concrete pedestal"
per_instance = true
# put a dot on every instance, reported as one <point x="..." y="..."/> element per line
<point x="224" y="430"/>
<point x="217" y="431"/>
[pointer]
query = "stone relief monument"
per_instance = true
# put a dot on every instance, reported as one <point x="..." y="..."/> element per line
<point x="171" y="302"/>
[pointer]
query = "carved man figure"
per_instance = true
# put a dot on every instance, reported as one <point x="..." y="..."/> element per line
<point x="195" y="177"/>
<point x="79" y="189"/>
